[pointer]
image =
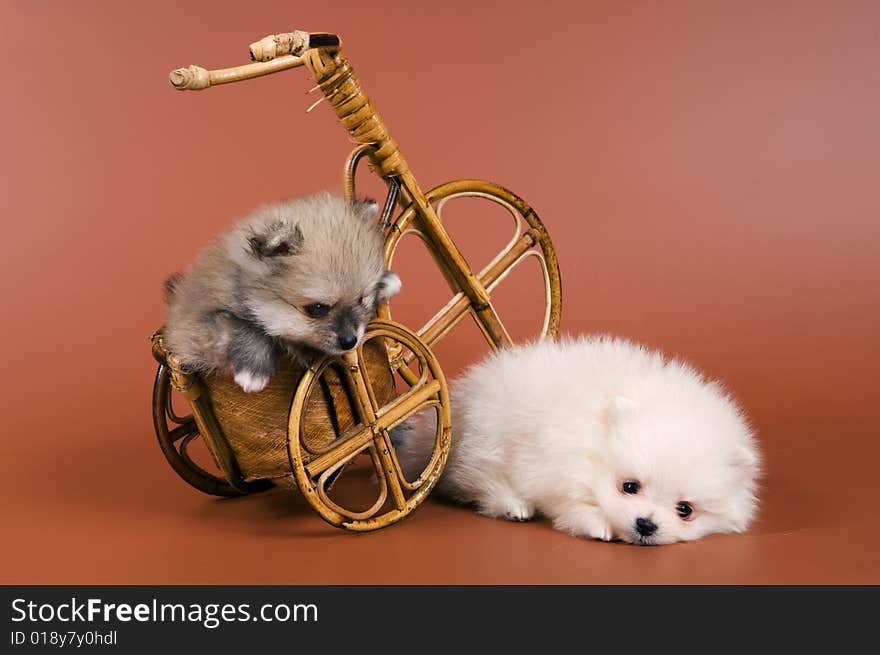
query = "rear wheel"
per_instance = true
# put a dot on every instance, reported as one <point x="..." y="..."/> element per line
<point x="529" y="239"/>
<point x="176" y="434"/>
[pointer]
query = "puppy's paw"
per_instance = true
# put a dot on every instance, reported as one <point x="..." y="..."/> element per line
<point x="251" y="382"/>
<point x="519" y="511"/>
<point x="510" y="509"/>
<point x="584" y="521"/>
<point x="600" y="530"/>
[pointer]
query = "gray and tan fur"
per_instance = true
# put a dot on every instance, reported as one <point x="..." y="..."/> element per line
<point x="295" y="278"/>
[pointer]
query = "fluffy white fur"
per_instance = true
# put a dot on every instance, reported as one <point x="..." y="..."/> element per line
<point x="557" y="428"/>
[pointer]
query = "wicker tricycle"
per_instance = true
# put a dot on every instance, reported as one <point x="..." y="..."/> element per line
<point x="311" y="425"/>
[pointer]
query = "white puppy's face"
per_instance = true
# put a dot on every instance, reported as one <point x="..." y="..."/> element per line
<point x="677" y="473"/>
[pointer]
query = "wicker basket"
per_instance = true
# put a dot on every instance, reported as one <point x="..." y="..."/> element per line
<point x="255" y="425"/>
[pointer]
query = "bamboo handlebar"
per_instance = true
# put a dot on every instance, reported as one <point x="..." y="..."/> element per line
<point x="196" y="78"/>
<point x="272" y="53"/>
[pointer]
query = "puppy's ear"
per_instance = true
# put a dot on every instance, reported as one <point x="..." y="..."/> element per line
<point x="172" y="284"/>
<point x="620" y="407"/>
<point x="389" y="285"/>
<point x="367" y="208"/>
<point x="278" y="239"/>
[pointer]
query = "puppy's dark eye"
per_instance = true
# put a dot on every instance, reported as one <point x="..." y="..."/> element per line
<point x="317" y="310"/>
<point x="631" y="487"/>
<point x="684" y="510"/>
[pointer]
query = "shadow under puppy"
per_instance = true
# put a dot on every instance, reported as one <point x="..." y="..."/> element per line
<point x="605" y="438"/>
<point x="295" y="278"/>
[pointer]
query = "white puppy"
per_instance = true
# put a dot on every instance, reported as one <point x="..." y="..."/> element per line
<point x="603" y="437"/>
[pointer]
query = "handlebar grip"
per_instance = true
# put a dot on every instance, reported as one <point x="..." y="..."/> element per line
<point x="291" y="43"/>
<point x="195" y="78"/>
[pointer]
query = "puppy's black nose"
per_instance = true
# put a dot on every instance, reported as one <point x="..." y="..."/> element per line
<point x="347" y="342"/>
<point x="645" y="527"/>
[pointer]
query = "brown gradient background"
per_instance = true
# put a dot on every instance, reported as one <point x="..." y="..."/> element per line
<point x="708" y="171"/>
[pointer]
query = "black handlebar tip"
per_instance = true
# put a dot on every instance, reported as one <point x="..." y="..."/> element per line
<point x="323" y="40"/>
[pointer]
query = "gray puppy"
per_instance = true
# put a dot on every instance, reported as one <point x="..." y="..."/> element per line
<point x="296" y="278"/>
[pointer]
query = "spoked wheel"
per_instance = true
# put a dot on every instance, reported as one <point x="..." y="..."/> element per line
<point x="176" y="433"/>
<point x="529" y="239"/>
<point x="383" y="395"/>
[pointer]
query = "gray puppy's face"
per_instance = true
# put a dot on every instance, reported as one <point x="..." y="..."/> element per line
<point x="316" y="273"/>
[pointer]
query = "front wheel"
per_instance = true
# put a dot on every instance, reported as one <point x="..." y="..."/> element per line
<point x="529" y="239"/>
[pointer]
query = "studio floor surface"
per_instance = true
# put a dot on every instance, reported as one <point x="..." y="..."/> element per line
<point x="79" y="517"/>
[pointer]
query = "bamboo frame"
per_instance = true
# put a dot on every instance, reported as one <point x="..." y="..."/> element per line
<point x="421" y="215"/>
